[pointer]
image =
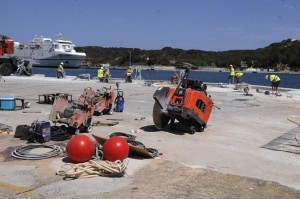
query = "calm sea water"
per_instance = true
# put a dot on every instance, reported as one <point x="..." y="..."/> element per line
<point x="287" y="80"/>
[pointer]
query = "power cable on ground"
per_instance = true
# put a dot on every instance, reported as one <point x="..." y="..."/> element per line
<point x="26" y="153"/>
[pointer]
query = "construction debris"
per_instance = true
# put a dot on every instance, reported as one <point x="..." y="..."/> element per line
<point x="5" y="128"/>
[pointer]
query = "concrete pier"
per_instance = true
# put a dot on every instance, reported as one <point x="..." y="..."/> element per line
<point x="230" y="152"/>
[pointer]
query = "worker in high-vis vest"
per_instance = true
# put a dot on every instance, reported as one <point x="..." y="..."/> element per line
<point x="100" y="74"/>
<point x="275" y="80"/>
<point x="128" y="74"/>
<point x="238" y="77"/>
<point x="60" y="71"/>
<point x="231" y="75"/>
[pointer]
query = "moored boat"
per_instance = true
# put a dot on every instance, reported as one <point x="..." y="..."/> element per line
<point x="47" y="53"/>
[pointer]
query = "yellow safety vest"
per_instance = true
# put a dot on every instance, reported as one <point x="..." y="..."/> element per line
<point x="274" y="78"/>
<point x="239" y="74"/>
<point x="232" y="71"/>
<point x="100" y="73"/>
<point x="60" y="69"/>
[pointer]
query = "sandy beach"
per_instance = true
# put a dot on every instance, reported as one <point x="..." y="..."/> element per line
<point x="230" y="159"/>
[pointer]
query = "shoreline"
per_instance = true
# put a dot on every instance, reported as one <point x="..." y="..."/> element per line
<point x="140" y="81"/>
<point x="204" y="69"/>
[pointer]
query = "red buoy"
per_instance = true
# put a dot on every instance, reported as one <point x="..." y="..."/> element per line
<point x="80" y="148"/>
<point x="115" y="148"/>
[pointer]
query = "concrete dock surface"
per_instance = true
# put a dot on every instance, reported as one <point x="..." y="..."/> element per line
<point x="228" y="160"/>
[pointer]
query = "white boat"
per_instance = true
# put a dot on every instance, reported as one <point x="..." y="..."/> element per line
<point x="43" y="52"/>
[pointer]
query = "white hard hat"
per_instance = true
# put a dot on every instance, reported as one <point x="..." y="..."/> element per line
<point x="231" y="65"/>
<point x="267" y="76"/>
<point x="61" y="63"/>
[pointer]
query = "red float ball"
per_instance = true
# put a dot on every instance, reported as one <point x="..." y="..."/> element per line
<point x="115" y="148"/>
<point x="80" y="148"/>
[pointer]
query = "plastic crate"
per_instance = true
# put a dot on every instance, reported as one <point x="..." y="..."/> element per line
<point x="7" y="103"/>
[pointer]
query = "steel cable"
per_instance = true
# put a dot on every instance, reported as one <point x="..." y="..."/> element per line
<point x="25" y="152"/>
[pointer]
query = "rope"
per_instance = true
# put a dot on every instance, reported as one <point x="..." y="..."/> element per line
<point x="92" y="168"/>
<point x="25" y="152"/>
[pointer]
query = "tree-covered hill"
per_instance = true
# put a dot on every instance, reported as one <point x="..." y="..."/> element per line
<point x="279" y="56"/>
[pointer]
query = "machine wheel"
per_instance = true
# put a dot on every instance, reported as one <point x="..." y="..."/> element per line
<point x="27" y="71"/>
<point x="97" y="113"/>
<point x="172" y="124"/>
<point x="89" y="129"/>
<point x="6" y="69"/>
<point x="110" y="111"/>
<point x="160" y="120"/>
<point x="201" y="128"/>
<point x="77" y="131"/>
<point x="246" y="89"/>
<point x="193" y="130"/>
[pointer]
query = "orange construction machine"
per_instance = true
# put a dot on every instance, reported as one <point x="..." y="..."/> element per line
<point x="188" y="103"/>
<point x="78" y="113"/>
<point x="10" y="64"/>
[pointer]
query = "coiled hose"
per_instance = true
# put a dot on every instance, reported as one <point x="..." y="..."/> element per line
<point x="25" y="152"/>
<point x="123" y="135"/>
<point x="131" y="140"/>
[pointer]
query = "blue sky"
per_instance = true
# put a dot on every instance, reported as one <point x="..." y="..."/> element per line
<point x="210" y="25"/>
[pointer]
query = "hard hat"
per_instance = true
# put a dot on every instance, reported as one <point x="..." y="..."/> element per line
<point x="62" y="63"/>
<point x="267" y="76"/>
<point x="231" y="65"/>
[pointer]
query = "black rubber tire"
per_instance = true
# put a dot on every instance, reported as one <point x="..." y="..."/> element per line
<point x="89" y="129"/>
<point x="172" y="125"/>
<point x="193" y="130"/>
<point x="160" y="120"/>
<point x="6" y="69"/>
<point x="201" y="129"/>
<point x="246" y="89"/>
<point x="110" y="111"/>
<point x="28" y="71"/>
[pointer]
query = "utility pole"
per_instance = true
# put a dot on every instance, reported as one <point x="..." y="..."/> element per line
<point x="129" y="58"/>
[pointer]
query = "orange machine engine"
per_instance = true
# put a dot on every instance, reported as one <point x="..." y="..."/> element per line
<point x="188" y="103"/>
